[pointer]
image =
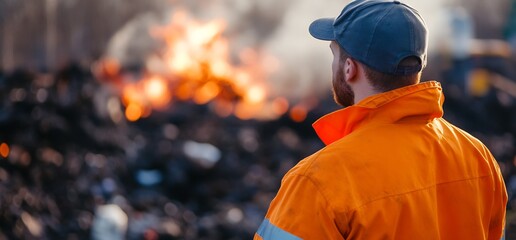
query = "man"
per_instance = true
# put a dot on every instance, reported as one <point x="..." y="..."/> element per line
<point x="393" y="168"/>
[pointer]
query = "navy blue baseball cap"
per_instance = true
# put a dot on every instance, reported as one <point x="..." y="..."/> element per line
<point x="378" y="33"/>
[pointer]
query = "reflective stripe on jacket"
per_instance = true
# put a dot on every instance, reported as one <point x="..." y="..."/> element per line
<point x="393" y="168"/>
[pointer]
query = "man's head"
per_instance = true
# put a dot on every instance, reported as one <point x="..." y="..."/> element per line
<point x="382" y="41"/>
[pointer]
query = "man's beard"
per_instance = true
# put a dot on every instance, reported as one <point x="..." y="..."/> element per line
<point x="342" y="92"/>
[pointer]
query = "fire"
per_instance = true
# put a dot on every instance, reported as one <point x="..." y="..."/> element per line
<point x="4" y="150"/>
<point x="280" y="106"/>
<point x="156" y="91"/>
<point x="255" y="94"/>
<point x="133" y="112"/>
<point x="143" y="96"/>
<point x="206" y="93"/>
<point x="298" y="113"/>
<point x="197" y="64"/>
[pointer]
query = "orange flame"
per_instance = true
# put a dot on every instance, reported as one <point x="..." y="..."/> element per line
<point x="197" y="65"/>
<point x="133" y="112"/>
<point x="298" y="113"/>
<point x="143" y="96"/>
<point x="206" y="93"/>
<point x="4" y="150"/>
<point x="280" y="106"/>
<point x="156" y="91"/>
<point x="199" y="57"/>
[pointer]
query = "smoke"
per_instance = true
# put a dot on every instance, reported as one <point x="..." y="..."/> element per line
<point x="278" y="27"/>
<point x="132" y="44"/>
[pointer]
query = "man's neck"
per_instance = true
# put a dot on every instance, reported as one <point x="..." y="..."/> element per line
<point x="363" y="89"/>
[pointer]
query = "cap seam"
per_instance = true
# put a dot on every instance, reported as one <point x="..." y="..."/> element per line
<point x="374" y="32"/>
<point x="359" y="9"/>
<point x="401" y="56"/>
<point x="411" y="30"/>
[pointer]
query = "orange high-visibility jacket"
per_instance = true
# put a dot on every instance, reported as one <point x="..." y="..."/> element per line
<point x="393" y="168"/>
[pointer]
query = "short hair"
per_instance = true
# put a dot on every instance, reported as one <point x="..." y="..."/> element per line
<point x="384" y="82"/>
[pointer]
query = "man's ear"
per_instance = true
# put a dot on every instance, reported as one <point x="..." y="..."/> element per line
<point x="350" y="70"/>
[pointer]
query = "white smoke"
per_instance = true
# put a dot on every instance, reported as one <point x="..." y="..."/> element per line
<point x="132" y="44"/>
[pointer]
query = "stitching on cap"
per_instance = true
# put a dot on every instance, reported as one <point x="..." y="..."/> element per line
<point x="374" y="31"/>
<point x="405" y="70"/>
<point x="359" y="8"/>
<point x="411" y="30"/>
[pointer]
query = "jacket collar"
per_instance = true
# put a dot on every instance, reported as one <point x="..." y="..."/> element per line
<point x="423" y="100"/>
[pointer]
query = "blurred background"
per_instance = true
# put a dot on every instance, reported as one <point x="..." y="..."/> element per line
<point x="176" y="119"/>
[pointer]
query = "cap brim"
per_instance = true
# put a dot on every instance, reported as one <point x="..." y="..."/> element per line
<point x="322" y="29"/>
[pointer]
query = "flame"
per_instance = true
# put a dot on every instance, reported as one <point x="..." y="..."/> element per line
<point x="255" y="94"/>
<point x="143" y="96"/>
<point x="298" y="113"/>
<point x="206" y="93"/>
<point x="199" y="57"/>
<point x="280" y="106"/>
<point x="4" y="150"/>
<point x="156" y="91"/>
<point x="247" y="110"/>
<point x="197" y="64"/>
<point x="133" y="112"/>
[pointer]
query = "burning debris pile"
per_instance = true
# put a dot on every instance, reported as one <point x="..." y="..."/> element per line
<point x="68" y="168"/>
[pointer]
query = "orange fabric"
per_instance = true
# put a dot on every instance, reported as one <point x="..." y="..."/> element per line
<point x="393" y="169"/>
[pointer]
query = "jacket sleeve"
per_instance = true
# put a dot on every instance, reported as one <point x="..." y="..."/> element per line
<point x="299" y="211"/>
